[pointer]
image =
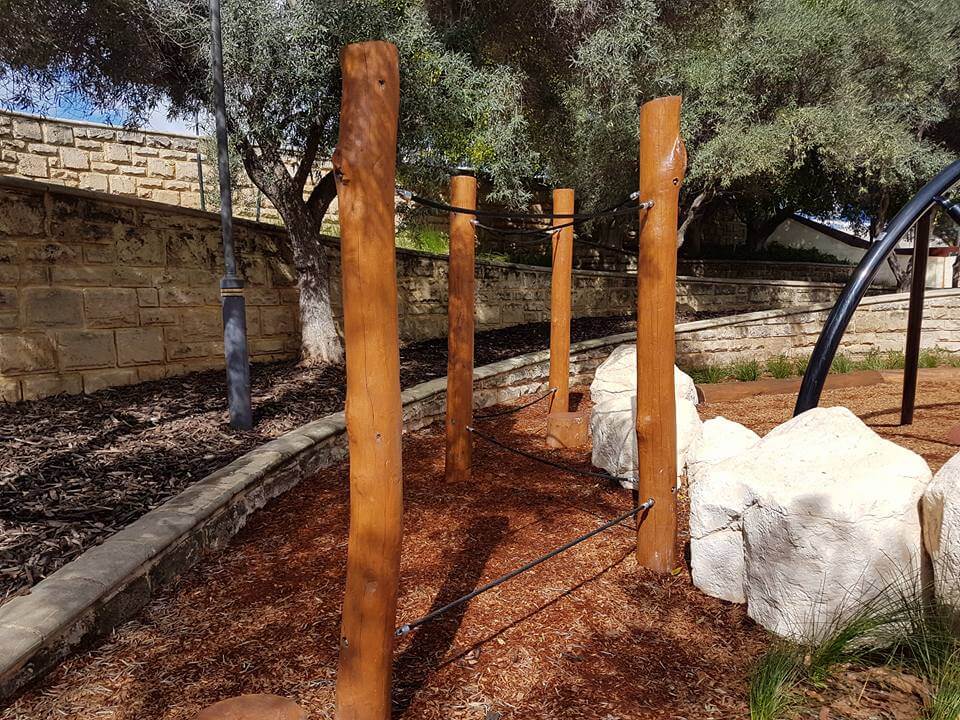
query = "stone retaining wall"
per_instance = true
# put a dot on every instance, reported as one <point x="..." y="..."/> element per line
<point x="879" y="323"/>
<point x="99" y="290"/>
<point x="151" y="165"/>
<point x="766" y="270"/>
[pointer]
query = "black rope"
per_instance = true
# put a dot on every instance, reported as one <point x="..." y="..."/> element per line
<point x="551" y="463"/>
<point x="517" y="408"/>
<point x="407" y="628"/>
<point x="437" y="205"/>
<point x="611" y="248"/>
<point x="612" y="212"/>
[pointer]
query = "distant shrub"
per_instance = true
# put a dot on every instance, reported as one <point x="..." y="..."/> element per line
<point x="746" y="370"/>
<point x="780" y="366"/>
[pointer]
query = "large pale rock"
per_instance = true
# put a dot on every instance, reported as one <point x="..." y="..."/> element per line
<point x="941" y="530"/>
<point x="720" y="439"/>
<point x="613" y="425"/>
<point x="613" y="420"/>
<point x="617" y="376"/>
<point x="818" y="516"/>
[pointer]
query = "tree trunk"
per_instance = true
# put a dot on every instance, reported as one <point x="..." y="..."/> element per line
<point x="319" y="338"/>
<point x="902" y="276"/>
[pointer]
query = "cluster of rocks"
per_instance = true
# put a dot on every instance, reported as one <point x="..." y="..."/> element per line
<point x="804" y="524"/>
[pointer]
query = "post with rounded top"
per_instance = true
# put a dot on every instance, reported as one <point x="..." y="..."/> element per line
<point x="460" y="302"/>
<point x="663" y="160"/>
<point x="560" y="300"/>
<point x="365" y="168"/>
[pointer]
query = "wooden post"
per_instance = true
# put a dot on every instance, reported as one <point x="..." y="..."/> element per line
<point x="365" y="166"/>
<point x="461" y="283"/>
<point x="560" y="299"/>
<point x="663" y="160"/>
<point x="918" y="286"/>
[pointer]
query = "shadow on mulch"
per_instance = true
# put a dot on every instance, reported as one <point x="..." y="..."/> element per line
<point x="75" y="469"/>
<point x="585" y="635"/>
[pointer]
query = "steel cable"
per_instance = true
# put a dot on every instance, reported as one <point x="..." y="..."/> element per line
<point x="517" y="408"/>
<point x="545" y="461"/>
<point x="407" y="628"/>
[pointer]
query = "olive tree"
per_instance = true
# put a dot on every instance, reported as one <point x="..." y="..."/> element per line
<point x="282" y="79"/>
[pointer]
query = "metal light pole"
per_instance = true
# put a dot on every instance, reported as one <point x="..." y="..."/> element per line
<point x="231" y="286"/>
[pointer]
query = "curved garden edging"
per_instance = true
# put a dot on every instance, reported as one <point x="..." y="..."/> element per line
<point x="108" y="584"/>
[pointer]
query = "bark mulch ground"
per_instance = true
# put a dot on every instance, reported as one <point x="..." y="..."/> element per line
<point x="586" y="635"/>
<point x="75" y="469"/>
<point x="937" y="410"/>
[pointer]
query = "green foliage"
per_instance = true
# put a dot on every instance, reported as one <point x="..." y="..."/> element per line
<point x="894" y="359"/>
<point x="930" y="358"/>
<point x="707" y="374"/>
<point x="772" y="252"/>
<point x="425" y="238"/>
<point x="800" y="364"/>
<point x="772" y="683"/>
<point x="787" y="105"/>
<point x="282" y="76"/>
<point x="746" y="370"/>
<point x="780" y="366"/>
<point x="841" y="364"/>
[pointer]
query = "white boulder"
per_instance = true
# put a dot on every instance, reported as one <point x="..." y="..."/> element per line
<point x="818" y="516"/>
<point x="720" y="439"/>
<point x="941" y="530"/>
<point x="613" y="420"/>
<point x="617" y="376"/>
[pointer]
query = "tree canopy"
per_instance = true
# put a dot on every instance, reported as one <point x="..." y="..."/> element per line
<point x="789" y="105"/>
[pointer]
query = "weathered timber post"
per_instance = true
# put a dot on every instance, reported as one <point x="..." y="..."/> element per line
<point x="365" y="167"/>
<point x="560" y="300"/>
<point x="460" y="284"/>
<point x="663" y="160"/>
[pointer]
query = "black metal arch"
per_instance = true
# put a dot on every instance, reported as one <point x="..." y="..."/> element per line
<point x="839" y="318"/>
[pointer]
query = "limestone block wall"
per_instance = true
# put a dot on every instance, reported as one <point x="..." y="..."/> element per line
<point x="150" y="165"/>
<point x="96" y="291"/>
<point x="879" y="323"/>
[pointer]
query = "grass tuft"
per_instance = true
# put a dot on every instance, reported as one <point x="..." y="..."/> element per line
<point x="746" y="370"/>
<point x="772" y="683"/>
<point x="800" y="364"/>
<point x="780" y="367"/>
<point x="707" y="374"/>
<point x="841" y="364"/>
<point x="930" y="358"/>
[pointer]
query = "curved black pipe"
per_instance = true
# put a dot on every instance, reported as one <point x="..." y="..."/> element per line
<point x="839" y="318"/>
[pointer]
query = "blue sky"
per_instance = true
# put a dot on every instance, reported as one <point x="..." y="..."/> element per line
<point x="72" y="108"/>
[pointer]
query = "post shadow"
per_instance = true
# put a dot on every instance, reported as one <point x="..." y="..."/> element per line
<point x="414" y="665"/>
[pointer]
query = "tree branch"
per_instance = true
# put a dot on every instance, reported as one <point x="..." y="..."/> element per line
<point x="309" y="155"/>
<point x="692" y="213"/>
<point x="321" y="196"/>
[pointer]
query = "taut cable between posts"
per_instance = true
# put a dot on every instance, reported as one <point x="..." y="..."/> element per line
<point x="407" y="628"/>
<point x="516" y="408"/>
<point x="545" y="461"/>
<point x="611" y="212"/>
<point x="445" y="207"/>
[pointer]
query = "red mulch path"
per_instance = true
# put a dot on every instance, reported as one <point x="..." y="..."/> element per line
<point x="585" y="635"/>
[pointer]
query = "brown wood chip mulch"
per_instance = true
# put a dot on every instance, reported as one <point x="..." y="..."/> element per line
<point x="75" y="469"/>
<point x="585" y="636"/>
